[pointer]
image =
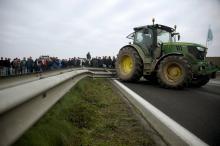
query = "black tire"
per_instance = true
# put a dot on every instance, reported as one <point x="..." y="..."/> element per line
<point x="174" y="72"/>
<point x="200" y="80"/>
<point x="136" y="71"/>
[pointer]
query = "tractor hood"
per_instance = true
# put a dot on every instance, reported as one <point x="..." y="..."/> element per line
<point x="196" y="51"/>
<point x="183" y="44"/>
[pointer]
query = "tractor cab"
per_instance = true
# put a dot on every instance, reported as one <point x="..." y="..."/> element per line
<point x="151" y="37"/>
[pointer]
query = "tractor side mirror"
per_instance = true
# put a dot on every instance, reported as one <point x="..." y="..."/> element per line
<point x="175" y="27"/>
<point x="131" y="36"/>
<point x="174" y="34"/>
<point x="178" y="37"/>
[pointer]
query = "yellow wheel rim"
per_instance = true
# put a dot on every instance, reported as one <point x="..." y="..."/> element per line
<point x="126" y="64"/>
<point x="173" y="72"/>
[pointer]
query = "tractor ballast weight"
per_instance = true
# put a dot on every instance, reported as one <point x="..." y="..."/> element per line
<point x="155" y="55"/>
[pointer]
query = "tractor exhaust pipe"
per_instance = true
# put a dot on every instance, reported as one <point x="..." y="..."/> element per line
<point x="153" y="20"/>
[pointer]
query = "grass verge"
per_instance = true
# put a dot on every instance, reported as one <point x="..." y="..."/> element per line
<point x="90" y="114"/>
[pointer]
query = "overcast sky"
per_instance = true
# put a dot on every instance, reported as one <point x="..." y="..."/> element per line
<point x="67" y="28"/>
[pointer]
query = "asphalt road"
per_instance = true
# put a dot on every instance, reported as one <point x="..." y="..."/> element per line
<point x="196" y="109"/>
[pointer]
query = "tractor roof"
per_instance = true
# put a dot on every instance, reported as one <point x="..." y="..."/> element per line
<point x="167" y="28"/>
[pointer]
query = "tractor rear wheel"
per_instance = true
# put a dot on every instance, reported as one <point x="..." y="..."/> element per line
<point x="174" y="72"/>
<point x="200" y="80"/>
<point x="129" y="66"/>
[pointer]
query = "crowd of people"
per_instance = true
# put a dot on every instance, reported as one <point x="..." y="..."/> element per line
<point x="29" y="65"/>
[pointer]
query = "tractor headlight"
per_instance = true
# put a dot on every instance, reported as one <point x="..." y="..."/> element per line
<point x="201" y="49"/>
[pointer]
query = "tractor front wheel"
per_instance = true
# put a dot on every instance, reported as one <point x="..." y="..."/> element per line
<point x="174" y="72"/>
<point x="129" y="66"/>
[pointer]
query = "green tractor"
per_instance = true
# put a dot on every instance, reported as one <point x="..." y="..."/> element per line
<point x="158" y="57"/>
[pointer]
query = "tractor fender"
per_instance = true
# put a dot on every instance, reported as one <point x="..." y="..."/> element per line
<point x="164" y="56"/>
<point x="140" y="52"/>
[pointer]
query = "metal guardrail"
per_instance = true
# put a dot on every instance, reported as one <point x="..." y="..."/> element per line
<point x="21" y="79"/>
<point x="21" y="106"/>
<point x="15" y="81"/>
<point x="172" y="132"/>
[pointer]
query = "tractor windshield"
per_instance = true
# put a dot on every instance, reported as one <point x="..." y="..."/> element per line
<point x="163" y="36"/>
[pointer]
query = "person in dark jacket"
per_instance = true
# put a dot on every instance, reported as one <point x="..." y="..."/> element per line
<point x="23" y="66"/>
<point x="30" y="64"/>
<point x="8" y="66"/>
<point x="2" y="67"/>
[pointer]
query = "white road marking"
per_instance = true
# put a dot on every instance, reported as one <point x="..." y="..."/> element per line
<point x="214" y="82"/>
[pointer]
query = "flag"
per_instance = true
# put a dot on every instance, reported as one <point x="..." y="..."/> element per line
<point x="210" y="35"/>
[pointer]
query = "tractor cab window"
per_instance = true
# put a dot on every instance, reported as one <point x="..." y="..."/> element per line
<point x="139" y="37"/>
<point x="144" y="38"/>
<point x="163" y="36"/>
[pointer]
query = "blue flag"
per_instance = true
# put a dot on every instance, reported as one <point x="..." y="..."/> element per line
<point x="210" y="35"/>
